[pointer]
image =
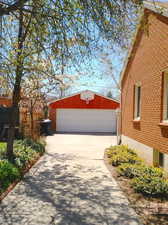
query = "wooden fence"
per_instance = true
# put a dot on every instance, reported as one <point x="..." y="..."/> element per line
<point x="28" y="127"/>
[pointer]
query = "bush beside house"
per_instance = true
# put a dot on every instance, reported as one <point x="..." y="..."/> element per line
<point x="148" y="180"/>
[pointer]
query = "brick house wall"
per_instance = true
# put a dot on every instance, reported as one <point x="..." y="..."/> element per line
<point x="75" y="102"/>
<point x="148" y="61"/>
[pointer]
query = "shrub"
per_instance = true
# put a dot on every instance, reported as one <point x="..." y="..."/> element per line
<point x="150" y="185"/>
<point x="2" y="149"/>
<point x="147" y="180"/>
<point x="130" y="170"/>
<point x="137" y="170"/>
<point x="23" y="155"/>
<point x="8" y="174"/>
<point x="124" y="157"/>
<point x="122" y="154"/>
<point x="154" y="171"/>
<point x="36" y="146"/>
<point x="119" y="148"/>
<point x="27" y="150"/>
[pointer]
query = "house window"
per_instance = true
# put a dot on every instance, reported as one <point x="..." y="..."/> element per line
<point x="137" y="110"/>
<point x="165" y="98"/>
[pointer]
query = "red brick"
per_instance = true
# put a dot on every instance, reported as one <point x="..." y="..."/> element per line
<point x="150" y="59"/>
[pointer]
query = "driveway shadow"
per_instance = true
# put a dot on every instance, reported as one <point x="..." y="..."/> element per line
<point x="58" y="193"/>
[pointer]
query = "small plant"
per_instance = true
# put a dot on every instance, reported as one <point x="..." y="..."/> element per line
<point x="122" y="154"/>
<point x="8" y="174"/>
<point x="23" y="155"/>
<point x="124" y="157"/>
<point x="137" y="170"/>
<point x="148" y="185"/>
<point x="2" y="149"/>
<point x="145" y="179"/>
<point x="27" y="142"/>
<point x="27" y="150"/>
<point x="119" y="148"/>
<point x="130" y="170"/>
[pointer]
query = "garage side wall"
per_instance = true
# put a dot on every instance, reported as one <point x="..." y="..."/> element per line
<point x="75" y="102"/>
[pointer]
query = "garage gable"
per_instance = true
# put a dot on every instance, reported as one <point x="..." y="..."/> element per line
<point x="75" y="101"/>
<point x="86" y="111"/>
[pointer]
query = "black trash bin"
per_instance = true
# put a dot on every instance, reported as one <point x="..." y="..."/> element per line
<point x="45" y="127"/>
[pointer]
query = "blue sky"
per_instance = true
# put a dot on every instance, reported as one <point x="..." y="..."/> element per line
<point x="97" y="79"/>
<point x="94" y="76"/>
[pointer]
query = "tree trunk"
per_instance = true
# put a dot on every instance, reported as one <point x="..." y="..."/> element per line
<point x="32" y="119"/>
<point x="14" y="114"/>
<point x="16" y="90"/>
<point x="11" y="132"/>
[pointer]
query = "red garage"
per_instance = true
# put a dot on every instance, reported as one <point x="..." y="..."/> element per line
<point x="86" y="111"/>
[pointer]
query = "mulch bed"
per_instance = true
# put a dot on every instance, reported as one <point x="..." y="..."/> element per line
<point x="23" y="172"/>
<point x="152" y="211"/>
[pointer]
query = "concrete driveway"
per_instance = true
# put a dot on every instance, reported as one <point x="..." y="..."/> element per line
<point x="70" y="185"/>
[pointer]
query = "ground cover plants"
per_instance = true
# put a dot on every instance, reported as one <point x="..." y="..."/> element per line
<point x="26" y="151"/>
<point x="145" y="179"/>
<point x="145" y="186"/>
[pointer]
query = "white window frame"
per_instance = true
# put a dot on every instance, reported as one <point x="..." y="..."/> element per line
<point x="165" y="98"/>
<point x="137" y="102"/>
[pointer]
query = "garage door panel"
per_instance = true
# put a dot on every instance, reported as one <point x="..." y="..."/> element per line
<point x="85" y="120"/>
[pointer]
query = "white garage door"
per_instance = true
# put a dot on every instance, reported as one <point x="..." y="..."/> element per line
<point x="85" y="120"/>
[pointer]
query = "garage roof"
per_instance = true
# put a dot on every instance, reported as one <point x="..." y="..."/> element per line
<point x="56" y="100"/>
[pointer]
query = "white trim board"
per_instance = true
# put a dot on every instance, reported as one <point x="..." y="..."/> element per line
<point x="80" y="93"/>
<point x="144" y="151"/>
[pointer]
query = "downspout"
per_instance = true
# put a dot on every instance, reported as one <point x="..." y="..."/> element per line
<point x="120" y="141"/>
<point x="119" y="122"/>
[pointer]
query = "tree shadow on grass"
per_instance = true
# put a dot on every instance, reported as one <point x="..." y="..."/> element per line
<point x="66" y="193"/>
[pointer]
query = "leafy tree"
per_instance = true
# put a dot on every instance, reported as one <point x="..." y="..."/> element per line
<point x="33" y="98"/>
<point x="49" y="30"/>
<point x="108" y="69"/>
